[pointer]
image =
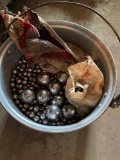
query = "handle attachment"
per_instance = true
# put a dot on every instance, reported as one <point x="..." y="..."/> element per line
<point x="116" y="101"/>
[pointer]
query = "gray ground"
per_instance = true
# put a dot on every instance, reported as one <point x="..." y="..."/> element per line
<point x="98" y="141"/>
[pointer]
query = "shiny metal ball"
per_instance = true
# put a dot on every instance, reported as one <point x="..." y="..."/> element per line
<point x="31" y="108"/>
<point x="20" y="86"/>
<point x="19" y="62"/>
<point x="32" y="114"/>
<point x="20" y="91"/>
<point x="29" y="70"/>
<point x="62" y="77"/>
<point x="45" y="121"/>
<point x="15" y="71"/>
<point x="21" y="69"/>
<point x="54" y="88"/>
<point x="27" y="113"/>
<point x="19" y="74"/>
<point x="23" y="110"/>
<point x="24" y="82"/>
<point x="17" y="101"/>
<point x="15" y="96"/>
<point x="36" y="118"/>
<point x="36" y="108"/>
<point x="53" y="112"/>
<point x="13" y="89"/>
<point x="43" y="96"/>
<point x="12" y="84"/>
<point x="29" y="74"/>
<point x="69" y="111"/>
<point x="57" y="100"/>
<point x="44" y="79"/>
<point x="23" y="66"/>
<point x="27" y="96"/>
<point x="42" y="116"/>
<point x="12" y="79"/>
<point x="26" y="106"/>
<point x="18" y="80"/>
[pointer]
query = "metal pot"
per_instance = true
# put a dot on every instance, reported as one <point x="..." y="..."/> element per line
<point x="83" y="38"/>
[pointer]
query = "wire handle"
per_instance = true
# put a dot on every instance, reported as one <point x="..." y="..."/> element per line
<point x="116" y="101"/>
<point x="71" y="3"/>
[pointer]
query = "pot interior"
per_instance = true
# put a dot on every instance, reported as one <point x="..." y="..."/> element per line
<point x="74" y="34"/>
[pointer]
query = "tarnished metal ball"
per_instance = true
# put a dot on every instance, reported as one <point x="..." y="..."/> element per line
<point x="57" y="100"/>
<point x="54" y="88"/>
<point x="62" y="77"/>
<point x="43" y="96"/>
<point x="53" y="112"/>
<point x="44" y="79"/>
<point x="69" y="111"/>
<point x="27" y="96"/>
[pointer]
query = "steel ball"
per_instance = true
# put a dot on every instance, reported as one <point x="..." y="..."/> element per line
<point x="29" y="70"/>
<point x="20" y="91"/>
<point x="19" y="74"/>
<point x="53" y="112"/>
<point x="19" y="62"/>
<point x="18" y="80"/>
<point x="27" y="96"/>
<point x="57" y="100"/>
<point x="42" y="116"/>
<point x="54" y="88"/>
<point x="12" y="84"/>
<point x="12" y="79"/>
<point x="29" y="74"/>
<point x="25" y="73"/>
<point x="21" y="69"/>
<point x="62" y="77"/>
<point x="13" y="89"/>
<point x="36" y="118"/>
<point x="36" y="108"/>
<point x="18" y="67"/>
<point x="15" y="71"/>
<point x="23" y="110"/>
<point x="26" y="106"/>
<point x="31" y="108"/>
<point x="15" y="96"/>
<point x="39" y="113"/>
<point x="43" y="96"/>
<point x="17" y="101"/>
<point x="44" y="79"/>
<point x="45" y="121"/>
<point x="32" y="115"/>
<point x="69" y="111"/>
<point x="27" y="113"/>
<point x="59" y="123"/>
<point x="23" y="66"/>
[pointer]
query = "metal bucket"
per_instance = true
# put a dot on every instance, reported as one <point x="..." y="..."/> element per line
<point x="79" y="36"/>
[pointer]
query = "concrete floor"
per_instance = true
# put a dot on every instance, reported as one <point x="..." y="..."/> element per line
<point x="98" y="141"/>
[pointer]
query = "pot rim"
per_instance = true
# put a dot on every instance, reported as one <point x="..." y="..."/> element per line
<point x="107" y="98"/>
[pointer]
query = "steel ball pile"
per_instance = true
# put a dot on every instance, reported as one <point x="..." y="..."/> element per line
<point x="41" y="95"/>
